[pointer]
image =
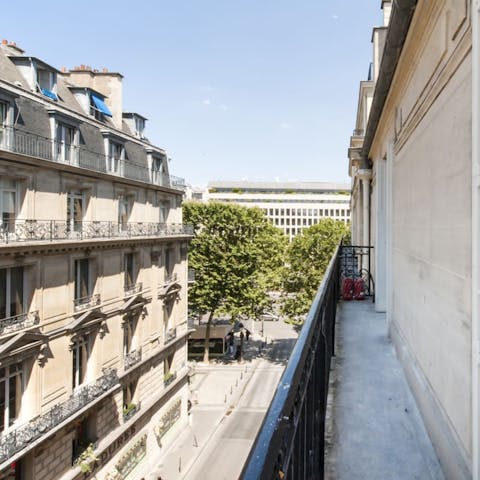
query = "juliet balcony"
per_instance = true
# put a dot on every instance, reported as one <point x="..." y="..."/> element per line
<point x="28" y="143"/>
<point x="16" y="231"/>
<point x="18" y="322"/>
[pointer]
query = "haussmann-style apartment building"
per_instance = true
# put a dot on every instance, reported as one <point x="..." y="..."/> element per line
<point x="290" y="206"/>
<point x="93" y="332"/>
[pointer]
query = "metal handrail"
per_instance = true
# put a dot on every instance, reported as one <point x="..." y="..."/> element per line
<point x="133" y="288"/>
<point x="32" y="230"/>
<point x="170" y="334"/>
<point x="290" y="443"/>
<point x="132" y="358"/>
<point x="28" y="143"/>
<point x="84" y="303"/>
<point x="15" y="440"/>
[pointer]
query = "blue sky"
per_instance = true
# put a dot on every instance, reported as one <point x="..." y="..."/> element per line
<point x="245" y="89"/>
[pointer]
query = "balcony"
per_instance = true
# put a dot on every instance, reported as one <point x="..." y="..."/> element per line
<point x="132" y="289"/>
<point x="18" y="322"/>
<point x="130" y="411"/>
<point x="23" y="436"/>
<point x="373" y="429"/>
<point x="61" y="230"/>
<point x="170" y="335"/>
<point x="85" y="303"/>
<point x="132" y="358"/>
<point x="168" y="378"/>
<point x="27" y="143"/>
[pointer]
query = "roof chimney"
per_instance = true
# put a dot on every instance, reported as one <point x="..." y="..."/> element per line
<point x="4" y="41"/>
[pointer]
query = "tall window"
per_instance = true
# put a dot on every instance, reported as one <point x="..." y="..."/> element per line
<point x="163" y="208"/>
<point x="169" y="262"/>
<point x="75" y="211"/>
<point x="128" y="332"/>
<point x="65" y="143"/>
<point x="11" y="386"/>
<point x="129" y="393"/>
<point x="8" y="201"/>
<point x="3" y="122"/>
<point x="129" y="269"/>
<point x="123" y="212"/>
<point x="116" y="157"/>
<point x="157" y="170"/>
<point x="82" y="280"/>
<point x="11" y="292"/>
<point x="80" y="354"/>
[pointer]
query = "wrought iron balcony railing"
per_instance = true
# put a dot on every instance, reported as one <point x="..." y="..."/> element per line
<point x="15" y="440"/>
<point x="170" y="335"/>
<point x="18" y="322"/>
<point x="52" y="230"/>
<point x="84" y="303"/>
<point x="290" y="443"/>
<point x="27" y="143"/>
<point x="358" y="133"/>
<point x="132" y="358"/>
<point x="133" y="288"/>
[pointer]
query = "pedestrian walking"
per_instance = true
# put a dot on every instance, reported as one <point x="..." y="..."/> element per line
<point x="247" y="334"/>
<point x="231" y="343"/>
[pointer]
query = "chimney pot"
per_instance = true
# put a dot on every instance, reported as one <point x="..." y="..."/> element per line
<point x="105" y="70"/>
<point x="4" y="41"/>
<point x="63" y="69"/>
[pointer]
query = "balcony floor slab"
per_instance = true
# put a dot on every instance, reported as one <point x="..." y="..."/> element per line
<point x="374" y="430"/>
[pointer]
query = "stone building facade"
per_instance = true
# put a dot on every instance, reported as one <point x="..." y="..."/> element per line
<point x="93" y="274"/>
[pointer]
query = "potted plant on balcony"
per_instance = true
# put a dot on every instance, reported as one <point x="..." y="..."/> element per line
<point x="168" y="378"/>
<point x="85" y="459"/>
<point x="129" y="408"/>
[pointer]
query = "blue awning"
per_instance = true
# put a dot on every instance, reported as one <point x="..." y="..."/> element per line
<point x="100" y="105"/>
<point x="49" y="94"/>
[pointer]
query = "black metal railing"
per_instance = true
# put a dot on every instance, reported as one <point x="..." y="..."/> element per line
<point x="19" y="438"/>
<point x="132" y="358"/>
<point x="356" y="265"/>
<point x="133" y="288"/>
<point x="290" y="443"/>
<point x="19" y="230"/>
<point x="28" y="143"/>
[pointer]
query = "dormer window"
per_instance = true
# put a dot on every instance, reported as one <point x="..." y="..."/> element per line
<point x="98" y="108"/>
<point x="135" y="123"/>
<point x="47" y="82"/>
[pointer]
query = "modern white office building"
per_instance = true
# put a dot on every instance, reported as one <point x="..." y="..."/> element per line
<point x="291" y="206"/>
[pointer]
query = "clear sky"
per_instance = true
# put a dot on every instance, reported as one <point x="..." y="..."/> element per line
<point x="245" y="89"/>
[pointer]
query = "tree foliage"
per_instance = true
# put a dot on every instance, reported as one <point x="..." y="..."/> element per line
<point x="307" y="259"/>
<point x="237" y="256"/>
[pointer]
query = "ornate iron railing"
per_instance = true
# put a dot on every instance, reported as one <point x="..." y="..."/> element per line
<point x="290" y="443"/>
<point x="132" y="358"/>
<point x="27" y="143"/>
<point x="170" y="335"/>
<point x="133" y="288"/>
<point x="19" y="438"/>
<point x="53" y="230"/>
<point x="18" y="322"/>
<point x="84" y="303"/>
<point x="131" y="411"/>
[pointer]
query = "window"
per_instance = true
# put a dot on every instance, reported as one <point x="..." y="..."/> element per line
<point x="11" y="388"/>
<point x="157" y="170"/>
<point x="8" y="203"/>
<point x="139" y="126"/>
<point x="116" y="158"/>
<point x="128" y="333"/>
<point x="98" y="108"/>
<point x="82" y="280"/>
<point x="65" y="144"/>
<point x="80" y="354"/>
<point x="129" y="394"/>
<point x="123" y="213"/>
<point x="11" y="292"/>
<point x="169" y="262"/>
<point x="3" y="123"/>
<point x="168" y="363"/>
<point x="129" y="269"/>
<point x="75" y="211"/>
<point x="85" y="434"/>
<point x="47" y="83"/>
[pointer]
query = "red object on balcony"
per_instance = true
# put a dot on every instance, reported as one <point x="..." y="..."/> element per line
<point x="347" y="288"/>
<point x="358" y="289"/>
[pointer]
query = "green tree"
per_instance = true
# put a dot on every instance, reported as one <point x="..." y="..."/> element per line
<point x="308" y="256"/>
<point x="237" y="256"/>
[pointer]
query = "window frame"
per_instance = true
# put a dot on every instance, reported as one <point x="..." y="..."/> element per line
<point x="8" y="421"/>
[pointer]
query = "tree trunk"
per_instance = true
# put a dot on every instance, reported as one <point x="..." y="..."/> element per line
<point x="207" y="338"/>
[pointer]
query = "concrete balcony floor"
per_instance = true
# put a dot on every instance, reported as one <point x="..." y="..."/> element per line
<point x="374" y="429"/>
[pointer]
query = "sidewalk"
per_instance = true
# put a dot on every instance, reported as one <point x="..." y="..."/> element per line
<point x="216" y="389"/>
